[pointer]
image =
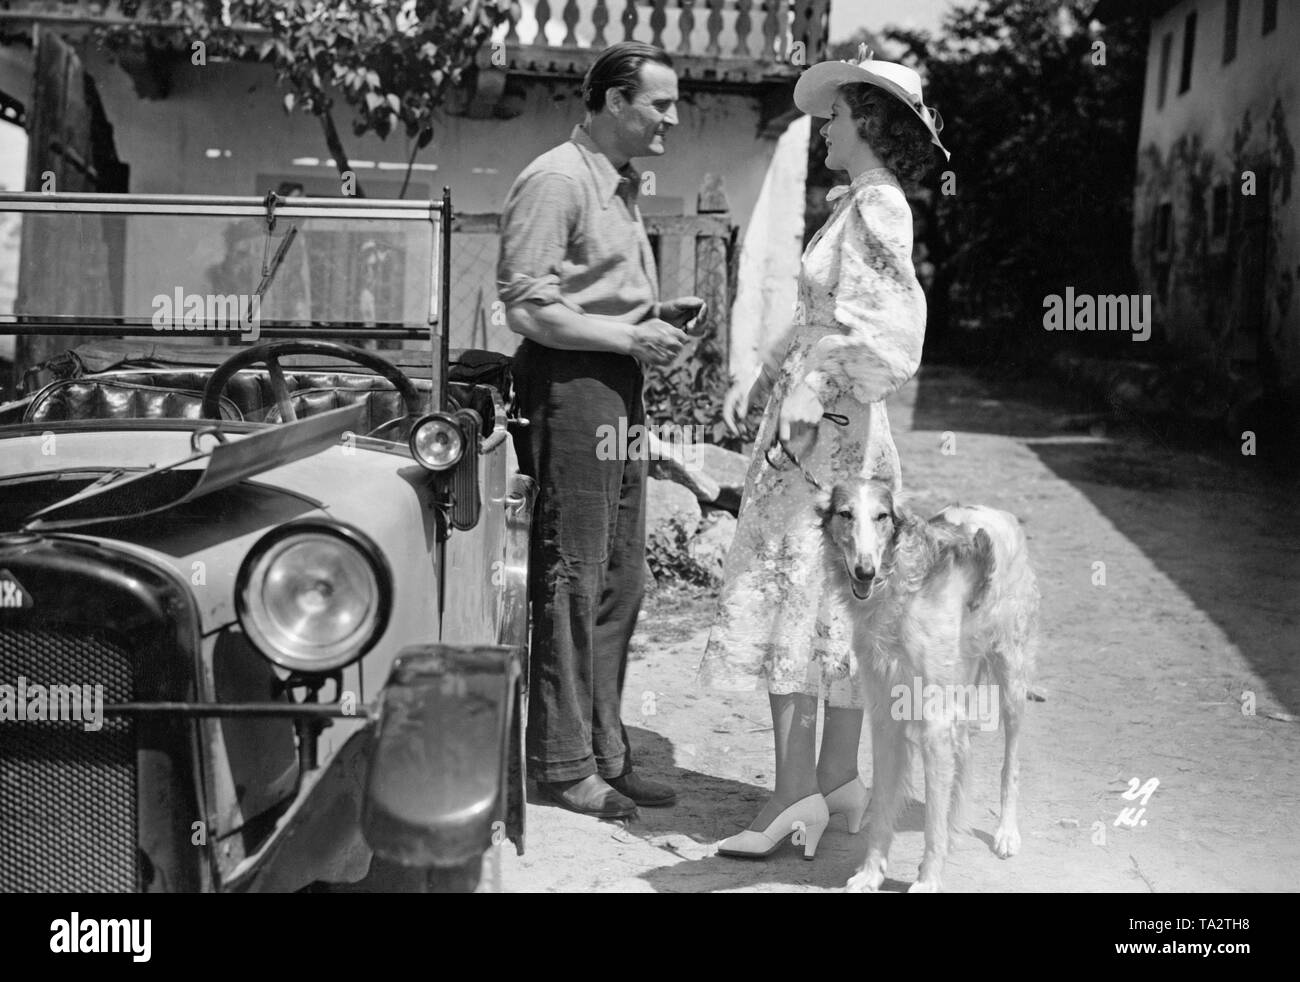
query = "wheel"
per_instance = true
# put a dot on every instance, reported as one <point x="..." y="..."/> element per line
<point x="270" y="353"/>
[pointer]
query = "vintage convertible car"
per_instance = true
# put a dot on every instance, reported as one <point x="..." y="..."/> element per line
<point x="291" y="570"/>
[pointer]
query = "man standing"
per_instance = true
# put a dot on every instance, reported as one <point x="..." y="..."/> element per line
<point x="578" y="279"/>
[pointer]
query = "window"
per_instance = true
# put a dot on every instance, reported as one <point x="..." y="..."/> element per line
<point x="1189" y="51"/>
<point x="1166" y="52"/>
<point x="1270" y="16"/>
<point x="1231" y="21"/>
<point x="1219" y="212"/>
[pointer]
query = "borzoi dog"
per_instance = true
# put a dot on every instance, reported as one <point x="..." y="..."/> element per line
<point x="941" y="605"/>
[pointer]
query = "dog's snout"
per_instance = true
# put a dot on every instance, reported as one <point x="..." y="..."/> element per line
<point x="864" y="572"/>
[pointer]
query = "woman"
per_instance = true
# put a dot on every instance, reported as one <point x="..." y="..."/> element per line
<point x="856" y="338"/>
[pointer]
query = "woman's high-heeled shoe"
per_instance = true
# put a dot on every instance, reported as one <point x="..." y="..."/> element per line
<point x="810" y="813"/>
<point x="850" y="800"/>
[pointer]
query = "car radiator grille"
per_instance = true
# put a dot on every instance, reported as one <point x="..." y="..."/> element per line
<point x="67" y="795"/>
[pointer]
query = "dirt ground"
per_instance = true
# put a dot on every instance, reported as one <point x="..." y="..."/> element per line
<point x="1151" y="675"/>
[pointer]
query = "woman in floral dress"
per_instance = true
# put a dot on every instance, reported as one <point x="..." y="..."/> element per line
<point x="856" y="338"/>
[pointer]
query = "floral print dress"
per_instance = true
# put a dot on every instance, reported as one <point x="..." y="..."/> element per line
<point x="856" y="339"/>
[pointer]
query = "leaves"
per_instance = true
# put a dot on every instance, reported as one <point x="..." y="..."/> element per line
<point x="1044" y="152"/>
<point x="391" y="60"/>
<point x="689" y="392"/>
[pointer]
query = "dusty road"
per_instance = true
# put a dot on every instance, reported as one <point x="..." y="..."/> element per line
<point x="1151" y="675"/>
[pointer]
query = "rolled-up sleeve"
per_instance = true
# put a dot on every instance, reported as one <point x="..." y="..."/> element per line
<point x="878" y="304"/>
<point x="537" y="223"/>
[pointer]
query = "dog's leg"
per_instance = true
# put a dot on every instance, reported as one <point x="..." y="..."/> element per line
<point x="1006" y="842"/>
<point x="961" y="773"/>
<point x="937" y="747"/>
<point x="889" y="759"/>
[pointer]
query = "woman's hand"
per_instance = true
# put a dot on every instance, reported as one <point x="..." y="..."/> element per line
<point x="801" y="413"/>
<point x="742" y="397"/>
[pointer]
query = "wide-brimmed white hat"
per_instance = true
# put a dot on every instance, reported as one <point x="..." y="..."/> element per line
<point x="818" y="86"/>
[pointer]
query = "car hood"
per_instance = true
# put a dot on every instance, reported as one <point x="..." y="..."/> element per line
<point x="122" y="495"/>
<point x="378" y="491"/>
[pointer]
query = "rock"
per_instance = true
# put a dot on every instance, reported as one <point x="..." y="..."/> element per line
<point x="673" y="517"/>
<point x="669" y="507"/>
<point x="727" y="469"/>
<point x="673" y="462"/>
<point x="708" y="550"/>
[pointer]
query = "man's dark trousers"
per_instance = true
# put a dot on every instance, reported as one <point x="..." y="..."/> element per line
<point x="588" y="554"/>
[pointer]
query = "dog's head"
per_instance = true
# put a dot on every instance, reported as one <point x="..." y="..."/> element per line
<point x="860" y="519"/>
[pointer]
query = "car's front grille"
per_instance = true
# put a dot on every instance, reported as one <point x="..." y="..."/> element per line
<point x="67" y="795"/>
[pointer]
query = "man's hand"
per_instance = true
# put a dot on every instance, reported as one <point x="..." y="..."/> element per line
<point x="801" y="413"/>
<point x="656" y="342"/>
<point x="681" y="311"/>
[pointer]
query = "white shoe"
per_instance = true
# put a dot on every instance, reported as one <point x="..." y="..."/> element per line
<point x="808" y="816"/>
<point x="850" y="800"/>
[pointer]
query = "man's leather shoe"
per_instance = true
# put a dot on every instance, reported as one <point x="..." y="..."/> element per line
<point x="652" y="794"/>
<point x="588" y="796"/>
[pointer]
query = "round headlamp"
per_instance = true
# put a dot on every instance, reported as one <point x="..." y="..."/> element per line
<point x="437" y="441"/>
<point x="313" y="598"/>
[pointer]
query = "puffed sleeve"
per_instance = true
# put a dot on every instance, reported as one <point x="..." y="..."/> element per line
<point x="540" y="213"/>
<point x="879" y="305"/>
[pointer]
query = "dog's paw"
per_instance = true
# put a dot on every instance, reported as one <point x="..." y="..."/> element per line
<point x="924" y="886"/>
<point x="1006" y="843"/>
<point x="865" y="881"/>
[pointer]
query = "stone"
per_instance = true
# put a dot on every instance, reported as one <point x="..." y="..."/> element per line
<point x="673" y="517"/>
<point x="669" y="462"/>
<point x="670" y="508"/>
<point x="727" y="469"/>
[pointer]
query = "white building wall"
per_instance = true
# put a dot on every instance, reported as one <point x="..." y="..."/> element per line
<point x="1234" y="117"/>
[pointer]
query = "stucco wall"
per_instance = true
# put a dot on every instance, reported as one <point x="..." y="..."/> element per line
<point x="1235" y="117"/>
<point x="236" y="109"/>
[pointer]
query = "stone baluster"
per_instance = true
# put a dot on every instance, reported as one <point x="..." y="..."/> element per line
<point x="686" y="24"/>
<point x="570" y="21"/>
<point x="512" y="22"/>
<point x="772" y="28"/>
<point x="629" y="19"/>
<point x="714" y="24"/>
<point x="799" y="26"/>
<point x="658" y="21"/>
<point x="600" y="17"/>
<point x="543" y="12"/>
<point x="743" y="25"/>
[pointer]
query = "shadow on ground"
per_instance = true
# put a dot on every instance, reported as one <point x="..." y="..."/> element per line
<point x="1223" y="526"/>
<point x="709" y="808"/>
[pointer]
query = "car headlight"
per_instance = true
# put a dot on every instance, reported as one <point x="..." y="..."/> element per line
<point x="313" y="598"/>
<point x="437" y="441"/>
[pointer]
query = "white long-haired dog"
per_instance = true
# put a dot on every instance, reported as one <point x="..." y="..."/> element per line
<point x="938" y="609"/>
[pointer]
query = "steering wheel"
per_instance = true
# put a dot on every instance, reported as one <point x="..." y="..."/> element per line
<point x="270" y="353"/>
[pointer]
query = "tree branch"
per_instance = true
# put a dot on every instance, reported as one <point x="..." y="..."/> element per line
<point x="336" y="150"/>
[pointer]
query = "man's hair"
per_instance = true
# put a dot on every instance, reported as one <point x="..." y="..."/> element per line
<point x="898" y="137"/>
<point x="619" y="67"/>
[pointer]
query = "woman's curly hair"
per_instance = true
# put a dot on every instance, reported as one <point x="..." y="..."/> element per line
<point x="895" y="133"/>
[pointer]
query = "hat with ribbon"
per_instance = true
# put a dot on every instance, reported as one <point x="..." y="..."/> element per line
<point x="818" y="86"/>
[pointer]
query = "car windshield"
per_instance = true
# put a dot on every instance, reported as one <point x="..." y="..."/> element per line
<point x="176" y="266"/>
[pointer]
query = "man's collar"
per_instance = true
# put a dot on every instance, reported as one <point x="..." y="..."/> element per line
<point x="606" y="176"/>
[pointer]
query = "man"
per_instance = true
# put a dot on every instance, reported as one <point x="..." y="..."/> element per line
<point x="578" y="279"/>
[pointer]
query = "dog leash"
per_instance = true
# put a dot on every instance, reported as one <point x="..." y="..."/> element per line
<point x="839" y="419"/>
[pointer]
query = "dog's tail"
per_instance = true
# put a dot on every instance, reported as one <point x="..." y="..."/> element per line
<point x="983" y="565"/>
